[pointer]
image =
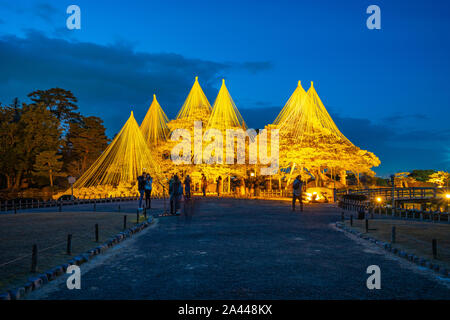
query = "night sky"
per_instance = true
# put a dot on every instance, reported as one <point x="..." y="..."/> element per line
<point x="387" y="90"/>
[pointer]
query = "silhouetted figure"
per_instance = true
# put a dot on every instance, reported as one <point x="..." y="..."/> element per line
<point x="204" y="184"/>
<point x="148" y="191"/>
<point x="187" y="187"/>
<point x="297" y="192"/>
<point x="218" y="184"/>
<point x="175" y="190"/>
<point x="141" y="188"/>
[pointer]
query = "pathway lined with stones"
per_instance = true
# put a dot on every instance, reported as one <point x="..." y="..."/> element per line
<point x="247" y="249"/>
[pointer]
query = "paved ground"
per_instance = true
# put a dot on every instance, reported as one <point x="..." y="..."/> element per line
<point x="247" y="249"/>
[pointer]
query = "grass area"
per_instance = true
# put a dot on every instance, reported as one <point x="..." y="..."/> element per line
<point x="49" y="232"/>
<point x="411" y="236"/>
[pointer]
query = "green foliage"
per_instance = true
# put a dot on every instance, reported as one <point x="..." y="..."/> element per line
<point x="440" y="178"/>
<point x="85" y="141"/>
<point x="48" y="163"/>
<point x="421" y="175"/>
<point x="62" y="103"/>
<point x="31" y="140"/>
<point x="25" y="132"/>
<point x="381" y="182"/>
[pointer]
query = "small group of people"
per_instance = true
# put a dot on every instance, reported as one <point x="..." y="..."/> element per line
<point x="204" y="185"/>
<point x="145" y="182"/>
<point x="176" y="192"/>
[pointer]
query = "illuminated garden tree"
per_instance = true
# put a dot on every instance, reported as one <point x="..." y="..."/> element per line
<point x="311" y="142"/>
<point x="115" y="172"/>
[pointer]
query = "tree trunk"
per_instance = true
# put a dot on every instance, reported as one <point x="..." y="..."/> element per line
<point x="18" y="180"/>
<point x="343" y="177"/>
<point x="51" y="178"/>
<point x="8" y="181"/>
<point x="317" y="177"/>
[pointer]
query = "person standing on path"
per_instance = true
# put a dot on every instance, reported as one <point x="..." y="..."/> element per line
<point x="174" y="190"/>
<point x="218" y="185"/>
<point x="179" y="196"/>
<point x="297" y="187"/>
<point x="148" y="191"/>
<point x="187" y="187"/>
<point x="141" y="188"/>
<point x="204" y="184"/>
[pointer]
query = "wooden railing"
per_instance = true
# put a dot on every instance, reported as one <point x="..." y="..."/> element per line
<point x="412" y="193"/>
<point x="20" y="204"/>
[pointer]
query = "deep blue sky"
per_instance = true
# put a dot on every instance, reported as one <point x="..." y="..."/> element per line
<point x="387" y="90"/>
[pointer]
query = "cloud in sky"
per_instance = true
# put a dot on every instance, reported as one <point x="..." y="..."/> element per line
<point x="107" y="77"/>
<point x="111" y="80"/>
<point x="44" y="10"/>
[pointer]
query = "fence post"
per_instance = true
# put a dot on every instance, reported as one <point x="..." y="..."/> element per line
<point x="137" y="216"/>
<point x="15" y="207"/>
<point x="34" y="258"/>
<point x="393" y="235"/>
<point x="124" y="222"/>
<point x="367" y="225"/>
<point x="434" y="247"/>
<point x="96" y="232"/>
<point x="95" y="204"/>
<point x="351" y="220"/>
<point x="342" y="216"/>
<point x="69" y="244"/>
<point x="119" y="207"/>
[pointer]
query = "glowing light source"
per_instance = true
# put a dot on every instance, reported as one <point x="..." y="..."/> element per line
<point x="314" y="196"/>
<point x="115" y="172"/>
<point x="154" y="126"/>
<point x="379" y="199"/>
<point x="225" y="113"/>
<point x="447" y="196"/>
<point x="196" y="106"/>
<point x="309" y="139"/>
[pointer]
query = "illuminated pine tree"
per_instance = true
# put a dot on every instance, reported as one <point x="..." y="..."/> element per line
<point x="154" y="126"/>
<point x="115" y="172"/>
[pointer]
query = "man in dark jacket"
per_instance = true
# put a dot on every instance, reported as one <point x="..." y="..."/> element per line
<point x="174" y="190"/>
<point x="141" y="188"/>
<point x="204" y="184"/>
<point x="297" y="187"/>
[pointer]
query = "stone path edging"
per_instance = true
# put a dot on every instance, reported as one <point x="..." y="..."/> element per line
<point x="403" y="254"/>
<point x="36" y="282"/>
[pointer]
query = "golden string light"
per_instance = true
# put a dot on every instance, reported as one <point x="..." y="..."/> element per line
<point x="309" y="139"/>
<point x="154" y="126"/>
<point x="117" y="168"/>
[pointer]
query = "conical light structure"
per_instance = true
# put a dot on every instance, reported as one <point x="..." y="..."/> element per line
<point x="225" y="113"/>
<point x="154" y="126"/>
<point x="294" y="103"/>
<point x="126" y="157"/>
<point x="196" y="106"/>
<point x="310" y="119"/>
